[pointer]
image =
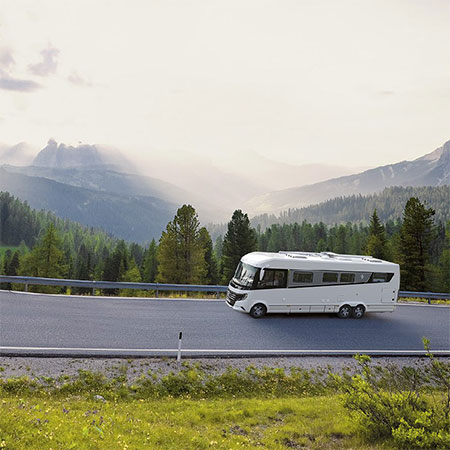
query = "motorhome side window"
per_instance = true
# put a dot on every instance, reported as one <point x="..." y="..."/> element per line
<point x="381" y="277"/>
<point x="273" y="279"/>
<point x="302" y="277"/>
<point x="330" y="277"/>
<point x="347" y="277"/>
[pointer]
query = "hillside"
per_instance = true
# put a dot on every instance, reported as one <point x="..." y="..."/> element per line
<point x="357" y="208"/>
<point x="432" y="169"/>
<point x="136" y="218"/>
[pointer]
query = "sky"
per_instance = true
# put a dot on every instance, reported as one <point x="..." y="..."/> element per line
<point x="349" y="83"/>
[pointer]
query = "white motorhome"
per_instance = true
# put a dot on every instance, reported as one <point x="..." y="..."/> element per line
<point x="302" y="282"/>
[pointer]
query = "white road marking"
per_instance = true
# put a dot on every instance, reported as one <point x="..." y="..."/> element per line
<point x="222" y="351"/>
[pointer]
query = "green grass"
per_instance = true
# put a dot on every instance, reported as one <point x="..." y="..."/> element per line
<point x="39" y="423"/>
<point x="424" y="300"/>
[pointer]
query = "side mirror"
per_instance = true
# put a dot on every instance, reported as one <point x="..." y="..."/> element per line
<point x="261" y="274"/>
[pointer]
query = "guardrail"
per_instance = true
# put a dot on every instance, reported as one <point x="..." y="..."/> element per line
<point x="217" y="289"/>
<point x="90" y="284"/>
<point x="428" y="295"/>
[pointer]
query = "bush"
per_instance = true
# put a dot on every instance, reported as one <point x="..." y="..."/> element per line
<point x="411" y="406"/>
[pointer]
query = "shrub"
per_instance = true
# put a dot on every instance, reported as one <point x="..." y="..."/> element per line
<point x="411" y="406"/>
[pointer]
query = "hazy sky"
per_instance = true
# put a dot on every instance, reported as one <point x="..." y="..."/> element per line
<point x="357" y="83"/>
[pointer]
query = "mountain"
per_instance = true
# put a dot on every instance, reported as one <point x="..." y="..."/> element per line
<point x="137" y="218"/>
<point x="432" y="169"/>
<point x="105" y="180"/>
<point x="389" y="204"/>
<point x="19" y="154"/>
<point x="62" y="156"/>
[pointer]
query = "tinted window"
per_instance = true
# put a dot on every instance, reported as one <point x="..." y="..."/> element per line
<point x="302" y="277"/>
<point x="330" y="277"/>
<point x="347" y="278"/>
<point x="381" y="277"/>
<point x="273" y="279"/>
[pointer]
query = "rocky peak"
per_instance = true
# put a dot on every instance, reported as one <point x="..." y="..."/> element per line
<point x="64" y="156"/>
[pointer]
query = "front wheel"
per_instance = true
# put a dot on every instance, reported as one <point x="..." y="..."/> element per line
<point x="257" y="311"/>
<point x="344" y="312"/>
<point x="358" y="311"/>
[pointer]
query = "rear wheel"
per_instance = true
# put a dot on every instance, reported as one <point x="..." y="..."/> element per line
<point x="258" y="310"/>
<point x="358" y="311"/>
<point x="344" y="312"/>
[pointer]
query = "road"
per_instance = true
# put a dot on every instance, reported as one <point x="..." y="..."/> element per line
<point x="59" y="322"/>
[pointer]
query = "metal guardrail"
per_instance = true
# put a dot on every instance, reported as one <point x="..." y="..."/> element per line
<point x="428" y="295"/>
<point x="27" y="281"/>
<point x="157" y="287"/>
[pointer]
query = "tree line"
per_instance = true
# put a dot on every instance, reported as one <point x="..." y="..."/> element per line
<point x="185" y="254"/>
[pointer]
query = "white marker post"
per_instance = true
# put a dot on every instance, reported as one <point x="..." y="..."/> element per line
<point x="179" y="347"/>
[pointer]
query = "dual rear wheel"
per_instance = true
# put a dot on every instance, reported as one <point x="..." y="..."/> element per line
<point x="346" y="311"/>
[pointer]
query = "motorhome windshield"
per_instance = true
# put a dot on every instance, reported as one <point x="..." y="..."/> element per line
<point x="244" y="275"/>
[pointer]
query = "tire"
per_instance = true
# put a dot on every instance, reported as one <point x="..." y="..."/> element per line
<point x="358" y="311"/>
<point x="257" y="311"/>
<point x="344" y="312"/>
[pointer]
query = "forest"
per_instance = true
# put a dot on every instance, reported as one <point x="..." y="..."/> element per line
<point x="37" y="243"/>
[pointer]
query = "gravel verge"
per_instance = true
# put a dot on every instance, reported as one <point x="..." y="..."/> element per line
<point x="111" y="367"/>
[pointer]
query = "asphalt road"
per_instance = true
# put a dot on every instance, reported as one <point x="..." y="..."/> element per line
<point x="28" y="320"/>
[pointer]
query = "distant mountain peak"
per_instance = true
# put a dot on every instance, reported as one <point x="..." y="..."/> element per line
<point x="432" y="169"/>
<point x="65" y="156"/>
<point x="436" y="154"/>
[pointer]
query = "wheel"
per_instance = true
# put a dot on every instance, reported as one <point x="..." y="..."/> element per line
<point x="358" y="311"/>
<point x="258" y="310"/>
<point x="344" y="312"/>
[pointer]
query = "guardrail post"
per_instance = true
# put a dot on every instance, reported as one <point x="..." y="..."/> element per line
<point x="93" y="288"/>
<point x="26" y="287"/>
<point x="156" y="291"/>
<point x="429" y="300"/>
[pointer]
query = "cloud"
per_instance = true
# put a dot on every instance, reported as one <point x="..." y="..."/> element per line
<point x="16" y="84"/>
<point x="75" y="78"/>
<point x="49" y="62"/>
<point x="7" y="81"/>
<point x="6" y="59"/>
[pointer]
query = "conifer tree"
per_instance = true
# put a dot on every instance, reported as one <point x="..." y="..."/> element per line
<point x="46" y="259"/>
<point x="132" y="275"/>
<point x="13" y="266"/>
<point x="150" y="264"/>
<point x="239" y="240"/>
<point x="212" y="275"/>
<point x="416" y="234"/>
<point x="377" y="241"/>
<point x="444" y="264"/>
<point x="180" y="251"/>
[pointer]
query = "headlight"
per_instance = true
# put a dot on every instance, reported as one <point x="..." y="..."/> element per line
<point x="242" y="297"/>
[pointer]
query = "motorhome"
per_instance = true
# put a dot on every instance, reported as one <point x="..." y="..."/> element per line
<point x="302" y="282"/>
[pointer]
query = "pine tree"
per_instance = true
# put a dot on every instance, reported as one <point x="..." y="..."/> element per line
<point x="180" y="252"/>
<point x="444" y="264"/>
<point x="239" y="240"/>
<point x="377" y="241"/>
<point x="46" y="259"/>
<point x="212" y="275"/>
<point x="150" y="264"/>
<point x="416" y="235"/>
<point x="132" y="275"/>
<point x="13" y="266"/>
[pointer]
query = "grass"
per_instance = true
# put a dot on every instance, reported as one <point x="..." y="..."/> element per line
<point x="252" y="408"/>
<point x="80" y="423"/>
<point x="424" y="300"/>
